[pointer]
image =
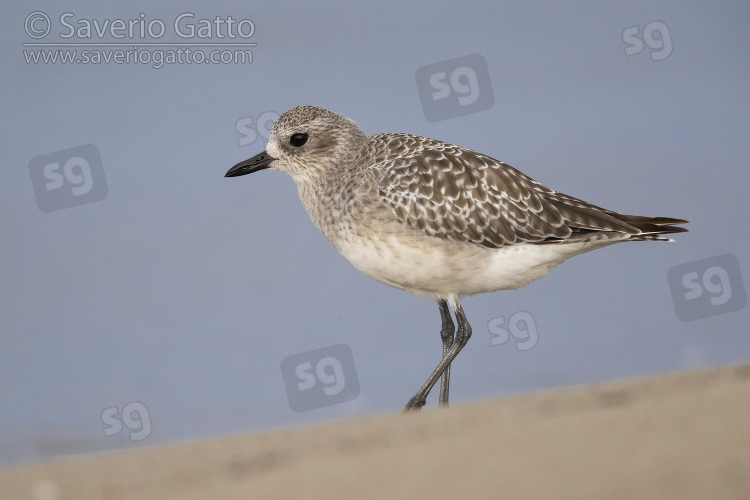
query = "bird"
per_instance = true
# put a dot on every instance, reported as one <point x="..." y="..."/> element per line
<point x="435" y="219"/>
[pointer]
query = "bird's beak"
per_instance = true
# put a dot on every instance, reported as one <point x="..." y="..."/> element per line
<point x="257" y="162"/>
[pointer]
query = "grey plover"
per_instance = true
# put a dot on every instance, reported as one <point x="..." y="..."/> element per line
<point x="438" y="220"/>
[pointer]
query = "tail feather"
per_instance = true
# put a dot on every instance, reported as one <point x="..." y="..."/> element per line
<point x="654" y="225"/>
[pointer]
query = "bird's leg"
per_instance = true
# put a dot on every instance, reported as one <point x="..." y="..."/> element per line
<point x="446" y="333"/>
<point x="462" y="337"/>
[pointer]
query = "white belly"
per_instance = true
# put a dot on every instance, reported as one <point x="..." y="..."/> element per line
<point x="436" y="268"/>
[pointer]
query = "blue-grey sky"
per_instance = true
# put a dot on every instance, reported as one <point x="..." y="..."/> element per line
<point x="182" y="290"/>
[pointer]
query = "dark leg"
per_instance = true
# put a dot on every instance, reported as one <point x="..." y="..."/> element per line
<point x="446" y="333"/>
<point x="462" y="337"/>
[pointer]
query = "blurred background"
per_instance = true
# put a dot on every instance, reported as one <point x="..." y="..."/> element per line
<point x="145" y="299"/>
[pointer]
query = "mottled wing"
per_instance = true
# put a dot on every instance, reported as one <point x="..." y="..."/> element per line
<point x="453" y="192"/>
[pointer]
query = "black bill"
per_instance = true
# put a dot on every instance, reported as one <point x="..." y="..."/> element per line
<point x="257" y="162"/>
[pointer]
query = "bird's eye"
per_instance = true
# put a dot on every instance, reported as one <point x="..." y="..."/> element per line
<point x="298" y="140"/>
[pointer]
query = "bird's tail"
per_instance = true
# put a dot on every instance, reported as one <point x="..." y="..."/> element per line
<point x="653" y="227"/>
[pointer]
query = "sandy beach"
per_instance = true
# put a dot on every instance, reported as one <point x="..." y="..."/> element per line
<point x="680" y="436"/>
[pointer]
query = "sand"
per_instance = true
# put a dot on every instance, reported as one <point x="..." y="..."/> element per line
<point x="679" y="436"/>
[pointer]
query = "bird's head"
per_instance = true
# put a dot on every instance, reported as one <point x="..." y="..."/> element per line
<point x="305" y="142"/>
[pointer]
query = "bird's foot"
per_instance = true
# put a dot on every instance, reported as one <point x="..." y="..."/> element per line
<point x="413" y="405"/>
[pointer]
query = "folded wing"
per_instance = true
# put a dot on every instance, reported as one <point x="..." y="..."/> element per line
<point x="453" y="192"/>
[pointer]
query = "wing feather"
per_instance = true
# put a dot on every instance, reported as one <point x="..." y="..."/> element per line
<point x="453" y="192"/>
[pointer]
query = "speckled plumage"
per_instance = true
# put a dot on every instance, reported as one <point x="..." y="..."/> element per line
<point x="435" y="219"/>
